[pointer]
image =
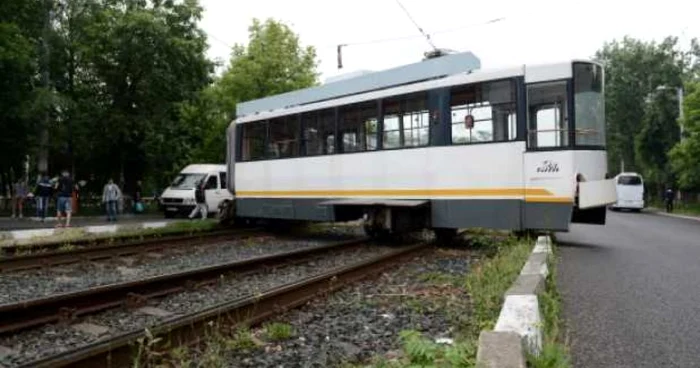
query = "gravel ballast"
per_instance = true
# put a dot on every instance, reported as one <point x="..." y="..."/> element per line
<point x="37" y="283"/>
<point x="54" y="339"/>
<point x="363" y="322"/>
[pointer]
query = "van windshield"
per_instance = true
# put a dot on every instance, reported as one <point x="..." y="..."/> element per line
<point x="629" y="180"/>
<point x="186" y="181"/>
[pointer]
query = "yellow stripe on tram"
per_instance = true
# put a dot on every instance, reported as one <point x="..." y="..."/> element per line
<point x="483" y="192"/>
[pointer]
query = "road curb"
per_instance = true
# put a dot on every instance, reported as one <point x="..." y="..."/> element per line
<point x="23" y="235"/>
<point x="520" y="319"/>
<point x="674" y="215"/>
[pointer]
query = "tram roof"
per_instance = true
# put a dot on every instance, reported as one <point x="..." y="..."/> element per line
<point x="411" y="73"/>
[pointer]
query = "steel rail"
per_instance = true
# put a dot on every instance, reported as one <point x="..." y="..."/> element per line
<point x="68" y="306"/>
<point x="122" y="350"/>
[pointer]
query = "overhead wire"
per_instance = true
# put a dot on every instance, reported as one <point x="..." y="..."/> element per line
<point x="408" y="37"/>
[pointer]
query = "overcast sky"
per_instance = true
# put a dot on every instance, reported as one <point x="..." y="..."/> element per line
<point x="532" y="31"/>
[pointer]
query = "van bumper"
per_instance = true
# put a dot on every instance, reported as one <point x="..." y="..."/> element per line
<point x="180" y="209"/>
<point x="624" y="204"/>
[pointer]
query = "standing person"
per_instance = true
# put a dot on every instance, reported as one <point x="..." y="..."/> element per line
<point x="64" y="188"/>
<point x="138" y="204"/>
<point x="111" y="194"/>
<point x="18" y="196"/>
<point x="43" y="193"/>
<point x="668" y="197"/>
<point x="200" y="198"/>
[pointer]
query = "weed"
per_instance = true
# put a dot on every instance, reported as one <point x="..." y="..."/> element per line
<point x="419" y="350"/>
<point x="241" y="340"/>
<point x="439" y="278"/>
<point x="147" y="353"/>
<point x="422" y="352"/>
<point x="554" y="354"/>
<point x="489" y="281"/>
<point x="66" y="247"/>
<point x="278" y="331"/>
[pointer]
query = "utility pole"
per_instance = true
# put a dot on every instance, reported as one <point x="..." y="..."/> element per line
<point x="680" y="109"/>
<point x="43" y="154"/>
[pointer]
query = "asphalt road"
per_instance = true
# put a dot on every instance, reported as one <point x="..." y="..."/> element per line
<point x="631" y="291"/>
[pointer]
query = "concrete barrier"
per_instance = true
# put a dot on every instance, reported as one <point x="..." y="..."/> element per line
<point x="520" y="320"/>
<point x="35" y="234"/>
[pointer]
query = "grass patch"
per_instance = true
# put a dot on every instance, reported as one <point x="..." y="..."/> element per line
<point x="680" y="208"/>
<point x="278" y="331"/>
<point x="488" y="282"/>
<point x="554" y="352"/>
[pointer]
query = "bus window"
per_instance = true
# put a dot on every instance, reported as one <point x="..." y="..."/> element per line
<point x="318" y="126"/>
<point x="406" y="121"/>
<point x="547" y="115"/>
<point x="253" y="141"/>
<point x="358" y="127"/>
<point x="492" y="107"/>
<point x="284" y="137"/>
<point x="589" y="105"/>
<point x="629" y="180"/>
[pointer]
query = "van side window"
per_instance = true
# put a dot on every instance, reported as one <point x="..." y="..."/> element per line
<point x="211" y="183"/>
<point x="222" y="179"/>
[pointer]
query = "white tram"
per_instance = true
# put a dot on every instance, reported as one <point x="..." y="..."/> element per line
<point x="438" y="144"/>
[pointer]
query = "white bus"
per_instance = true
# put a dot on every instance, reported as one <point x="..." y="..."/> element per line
<point x="630" y="191"/>
<point x="439" y="144"/>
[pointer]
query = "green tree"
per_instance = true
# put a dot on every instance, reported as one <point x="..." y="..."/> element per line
<point x="634" y="69"/>
<point x="272" y="62"/>
<point x="149" y="58"/>
<point x="20" y="30"/>
<point x="685" y="157"/>
<point x="659" y="133"/>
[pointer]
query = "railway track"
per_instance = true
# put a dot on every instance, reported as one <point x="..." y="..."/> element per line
<point x="119" y="351"/>
<point x="86" y="251"/>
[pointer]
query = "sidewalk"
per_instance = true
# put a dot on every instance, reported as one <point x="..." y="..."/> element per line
<point x="8" y="223"/>
<point x="658" y="211"/>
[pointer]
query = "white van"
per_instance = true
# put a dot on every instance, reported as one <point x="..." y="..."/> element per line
<point x="178" y="198"/>
<point x="630" y="191"/>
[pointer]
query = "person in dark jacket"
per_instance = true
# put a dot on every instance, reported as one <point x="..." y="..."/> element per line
<point x="668" y="197"/>
<point x="138" y="200"/>
<point x="201" y="199"/>
<point x="44" y="191"/>
<point x="64" y="187"/>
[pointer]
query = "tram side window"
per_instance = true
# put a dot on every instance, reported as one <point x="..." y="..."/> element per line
<point x="589" y="105"/>
<point x="547" y="115"/>
<point x="319" y="132"/>
<point x="406" y="122"/>
<point x="253" y="141"/>
<point x="358" y="127"/>
<point x="492" y="108"/>
<point x="284" y="137"/>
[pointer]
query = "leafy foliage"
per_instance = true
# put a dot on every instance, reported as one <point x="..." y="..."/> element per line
<point x="685" y="157"/>
<point x="634" y="69"/>
<point x="659" y="133"/>
<point x="422" y="352"/>
<point x="273" y="62"/>
<point x="131" y="94"/>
